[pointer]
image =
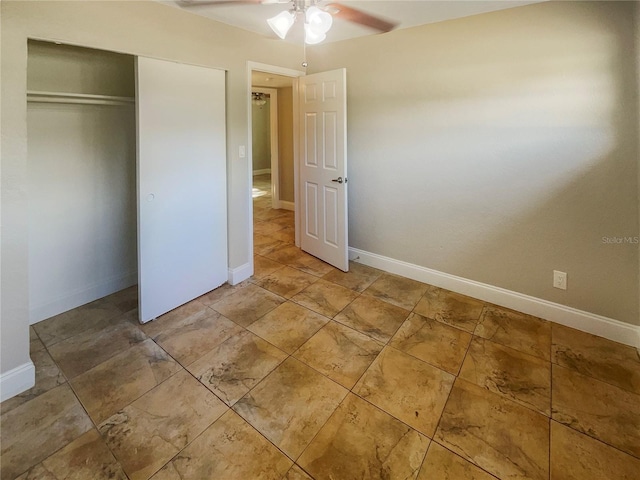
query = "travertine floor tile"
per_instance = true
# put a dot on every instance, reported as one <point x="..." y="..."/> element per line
<point x="287" y="234"/>
<point x="340" y="353"/>
<point x="325" y="298"/>
<point x="183" y="315"/>
<point x="575" y="456"/>
<point x="265" y="244"/>
<point x="441" y="464"/>
<point x="262" y="266"/>
<point x="596" y="357"/>
<point x="35" y="344"/>
<point x="358" y="278"/>
<point x="528" y="334"/>
<point x="292" y="256"/>
<point x="286" y="281"/>
<point x="237" y="365"/>
<point x="500" y="436"/>
<point x="432" y="341"/>
<point x="359" y="441"/>
<point x="84" y="351"/>
<point x="113" y="384"/>
<point x="522" y="378"/>
<point x="125" y="300"/>
<point x="312" y="265"/>
<point x="247" y="305"/>
<point x="290" y="406"/>
<point x="273" y="215"/>
<point x="266" y="228"/>
<point x="286" y="218"/>
<point x="148" y="433"/>
<point x="288" y="326"/>
<point x="87" y="457"/>
<point x="48" y="376"/>
<point x="451" y="308"/>
<point x="407" y="388"/>
<point x="598" y="409"/>
<point x="191" y="331"/>
<point x="38" y="428"/>
<point x="287" y="254"/>
<point x="222" y="291"/>
<point x="373" y="317"/>
<point x="228" y="449"/>
<point x="296" y="473"/>
<point x="90" y="317"/>
<point x="400" y="291"/>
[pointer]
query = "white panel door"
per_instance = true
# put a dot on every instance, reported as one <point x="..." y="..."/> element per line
<point x="323" y="166"/>
<point x="182" y="197"/>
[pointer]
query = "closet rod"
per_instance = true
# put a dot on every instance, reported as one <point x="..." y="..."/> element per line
<point x="77" y="98"/>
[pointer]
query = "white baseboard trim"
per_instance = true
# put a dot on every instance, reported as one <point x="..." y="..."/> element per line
<point x="286" y="205"/>
<point x="81" y="296"/>
<point x="240" y="274"/>
<point x="571" y="317"/>
<point x="264" y="171"/>
<point x="17" y="380"/>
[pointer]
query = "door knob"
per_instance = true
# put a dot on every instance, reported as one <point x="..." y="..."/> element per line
<point x="337" y="180"/>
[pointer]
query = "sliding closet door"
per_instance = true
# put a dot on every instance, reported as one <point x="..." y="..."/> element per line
<point x="182" y="198"/>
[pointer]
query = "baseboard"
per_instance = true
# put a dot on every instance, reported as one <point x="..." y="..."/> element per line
<point x="81" y="296"/>
<point x="264" y="171"/>
<point x="239" y="274"/>
<point x="283" y="204"/>
<point x="571" y="317"/>
<point x="17" y="380"/>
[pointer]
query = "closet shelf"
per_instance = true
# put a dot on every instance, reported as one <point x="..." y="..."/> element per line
<point x="80" y="98"/>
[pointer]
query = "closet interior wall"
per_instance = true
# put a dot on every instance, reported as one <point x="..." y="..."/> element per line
<point x="81" y="135"/>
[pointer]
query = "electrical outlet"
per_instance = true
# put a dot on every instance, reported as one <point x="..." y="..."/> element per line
<point x="560" y="280"/>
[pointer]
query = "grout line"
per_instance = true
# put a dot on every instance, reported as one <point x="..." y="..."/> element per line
<point x="456" y="377"/>
<point x="424" y="458"/>
<point x="464" y="459"/>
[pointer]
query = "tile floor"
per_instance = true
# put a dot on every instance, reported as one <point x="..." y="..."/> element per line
<point x="308" y="372"/>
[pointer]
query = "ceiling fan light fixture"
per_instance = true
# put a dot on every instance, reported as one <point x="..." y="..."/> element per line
<point x="312" y="35"/>
<point x="258" y="99"/>
<point x="320" y="20"/>
<point x="282" y="23"/>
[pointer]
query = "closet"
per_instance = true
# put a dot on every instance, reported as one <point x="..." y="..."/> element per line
<point x="127" y="179"/>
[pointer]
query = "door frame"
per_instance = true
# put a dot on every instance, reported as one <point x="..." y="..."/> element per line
<point x="287" y="72"/>
<point x="273" y="143"/>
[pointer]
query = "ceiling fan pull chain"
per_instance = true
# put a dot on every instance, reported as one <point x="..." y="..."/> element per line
<point x="305" y="64"/>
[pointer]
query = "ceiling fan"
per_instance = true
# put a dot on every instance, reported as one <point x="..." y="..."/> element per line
<point x="318" y="16"/>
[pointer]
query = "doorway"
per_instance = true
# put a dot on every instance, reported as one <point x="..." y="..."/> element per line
<point x="273" y="91"/>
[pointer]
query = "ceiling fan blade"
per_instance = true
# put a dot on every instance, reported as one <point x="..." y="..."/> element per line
<point x="357" y="16"/>
<point x="205" y="3"/>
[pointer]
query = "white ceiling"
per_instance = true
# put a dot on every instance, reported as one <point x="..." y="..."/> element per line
<point x="407" y="13"/>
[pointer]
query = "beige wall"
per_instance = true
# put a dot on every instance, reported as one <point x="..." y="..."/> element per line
<point x="501" y="147"/>
<point x="140" y="28"/>
<point x="285" y="143"/>
<point x="637" y="58"/>
<point x="261" y="134"/>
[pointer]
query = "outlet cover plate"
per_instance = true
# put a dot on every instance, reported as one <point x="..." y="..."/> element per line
<point x="560" y="280"/>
